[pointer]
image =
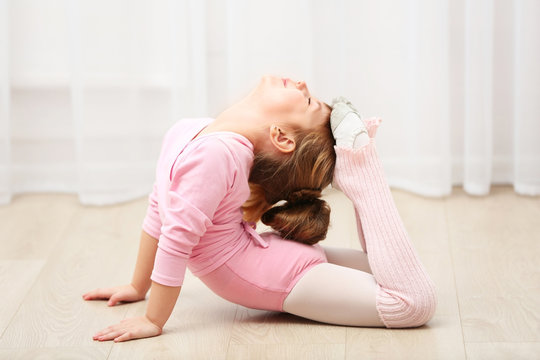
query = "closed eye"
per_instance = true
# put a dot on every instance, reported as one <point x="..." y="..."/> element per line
<point x="309" y="101"/>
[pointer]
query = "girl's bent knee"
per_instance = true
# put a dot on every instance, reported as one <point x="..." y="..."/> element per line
<point x="406" y="311"/>
<point x="419" y="316"/>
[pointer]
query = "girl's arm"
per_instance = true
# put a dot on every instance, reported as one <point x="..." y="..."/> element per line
<point x="145" y="263"/>
<point x="199" y="184"/>
<point x="161" y="303"/>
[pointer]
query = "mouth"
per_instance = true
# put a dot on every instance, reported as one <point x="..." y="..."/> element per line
<point x="284" y="82"/>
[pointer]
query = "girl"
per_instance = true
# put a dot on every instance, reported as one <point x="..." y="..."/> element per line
<point x="215" y="178"/>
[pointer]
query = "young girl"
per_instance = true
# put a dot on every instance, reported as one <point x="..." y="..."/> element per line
<point x="215" y="178"/>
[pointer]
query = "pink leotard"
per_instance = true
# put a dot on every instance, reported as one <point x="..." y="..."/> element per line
<point x="195" y="212"/>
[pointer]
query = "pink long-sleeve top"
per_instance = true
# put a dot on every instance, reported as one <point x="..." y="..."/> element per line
<point x="195" y="206"/>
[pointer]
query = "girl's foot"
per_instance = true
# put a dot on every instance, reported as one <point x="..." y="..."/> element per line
<point x="347" y="126"/>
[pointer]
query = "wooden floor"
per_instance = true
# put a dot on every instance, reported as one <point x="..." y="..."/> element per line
<point x="482" y="252"/>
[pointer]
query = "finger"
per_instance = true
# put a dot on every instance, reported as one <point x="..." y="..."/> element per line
<point x="106" y="331"/>
<point x="98" y="294"/>
<point x="90" y="294"/>
<point x="110" y="335"/>
<point x="124" y="337"/>
<point x="114" y="299"/>
<point x="99" y="333"/>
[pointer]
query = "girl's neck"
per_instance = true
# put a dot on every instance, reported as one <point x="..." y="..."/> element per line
<point x="241" y="119"/>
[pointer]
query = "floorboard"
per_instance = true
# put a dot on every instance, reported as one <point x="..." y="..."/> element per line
<point x="482" y="253"/>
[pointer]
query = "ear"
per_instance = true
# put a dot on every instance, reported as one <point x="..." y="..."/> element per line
<point x="282" y="140"/>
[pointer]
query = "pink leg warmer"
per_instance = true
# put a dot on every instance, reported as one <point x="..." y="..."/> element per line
<point x="406" y="295"/>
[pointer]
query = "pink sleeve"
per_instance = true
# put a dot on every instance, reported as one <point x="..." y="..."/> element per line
<point x="152" y="221"/>
<point x="199" y="184"/>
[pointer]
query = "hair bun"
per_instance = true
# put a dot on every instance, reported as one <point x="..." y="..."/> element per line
<point x="303" y="218"/>
<point x="303" y="196"/>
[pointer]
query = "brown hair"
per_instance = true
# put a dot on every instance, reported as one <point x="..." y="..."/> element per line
<point x="298" y="179"/>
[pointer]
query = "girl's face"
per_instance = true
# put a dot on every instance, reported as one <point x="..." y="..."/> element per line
<point x="290" y="103"/>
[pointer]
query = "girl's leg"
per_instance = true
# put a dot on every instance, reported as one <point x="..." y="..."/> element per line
<point x="335" y="294"/>
<point x="400" y="291"/>
<point x="351" y="258"/>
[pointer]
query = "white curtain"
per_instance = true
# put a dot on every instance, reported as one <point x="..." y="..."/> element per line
<point x="88" y="88"/>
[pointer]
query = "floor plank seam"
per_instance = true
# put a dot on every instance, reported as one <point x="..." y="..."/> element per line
<point x="450" y="248"/>
<point x="230" y="334"/>
<point x="110" y="351"/>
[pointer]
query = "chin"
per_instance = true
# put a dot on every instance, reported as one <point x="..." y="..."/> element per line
<point x="271" y="79"/>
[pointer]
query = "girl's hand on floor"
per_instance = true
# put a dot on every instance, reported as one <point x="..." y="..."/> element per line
<point x="115" y="294"/>
<point x="129" y="329"/>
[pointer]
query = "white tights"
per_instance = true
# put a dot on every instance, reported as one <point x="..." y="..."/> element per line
<point x="341" y="292"/>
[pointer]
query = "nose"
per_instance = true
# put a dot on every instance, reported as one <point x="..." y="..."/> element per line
<point x="301" y="85"/>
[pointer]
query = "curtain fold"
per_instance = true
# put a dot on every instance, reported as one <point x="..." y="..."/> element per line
<point x="88" y="88"/>
<point x="5" y="101"/>
<point x="478" y="96"/>
<point x="526" y="112"/>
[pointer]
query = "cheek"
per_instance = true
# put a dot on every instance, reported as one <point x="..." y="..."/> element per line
<point x="284" y="105"/>
<point x="288" y="101"/>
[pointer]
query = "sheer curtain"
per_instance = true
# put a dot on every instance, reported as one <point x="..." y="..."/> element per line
<point x="88" y="88"/>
